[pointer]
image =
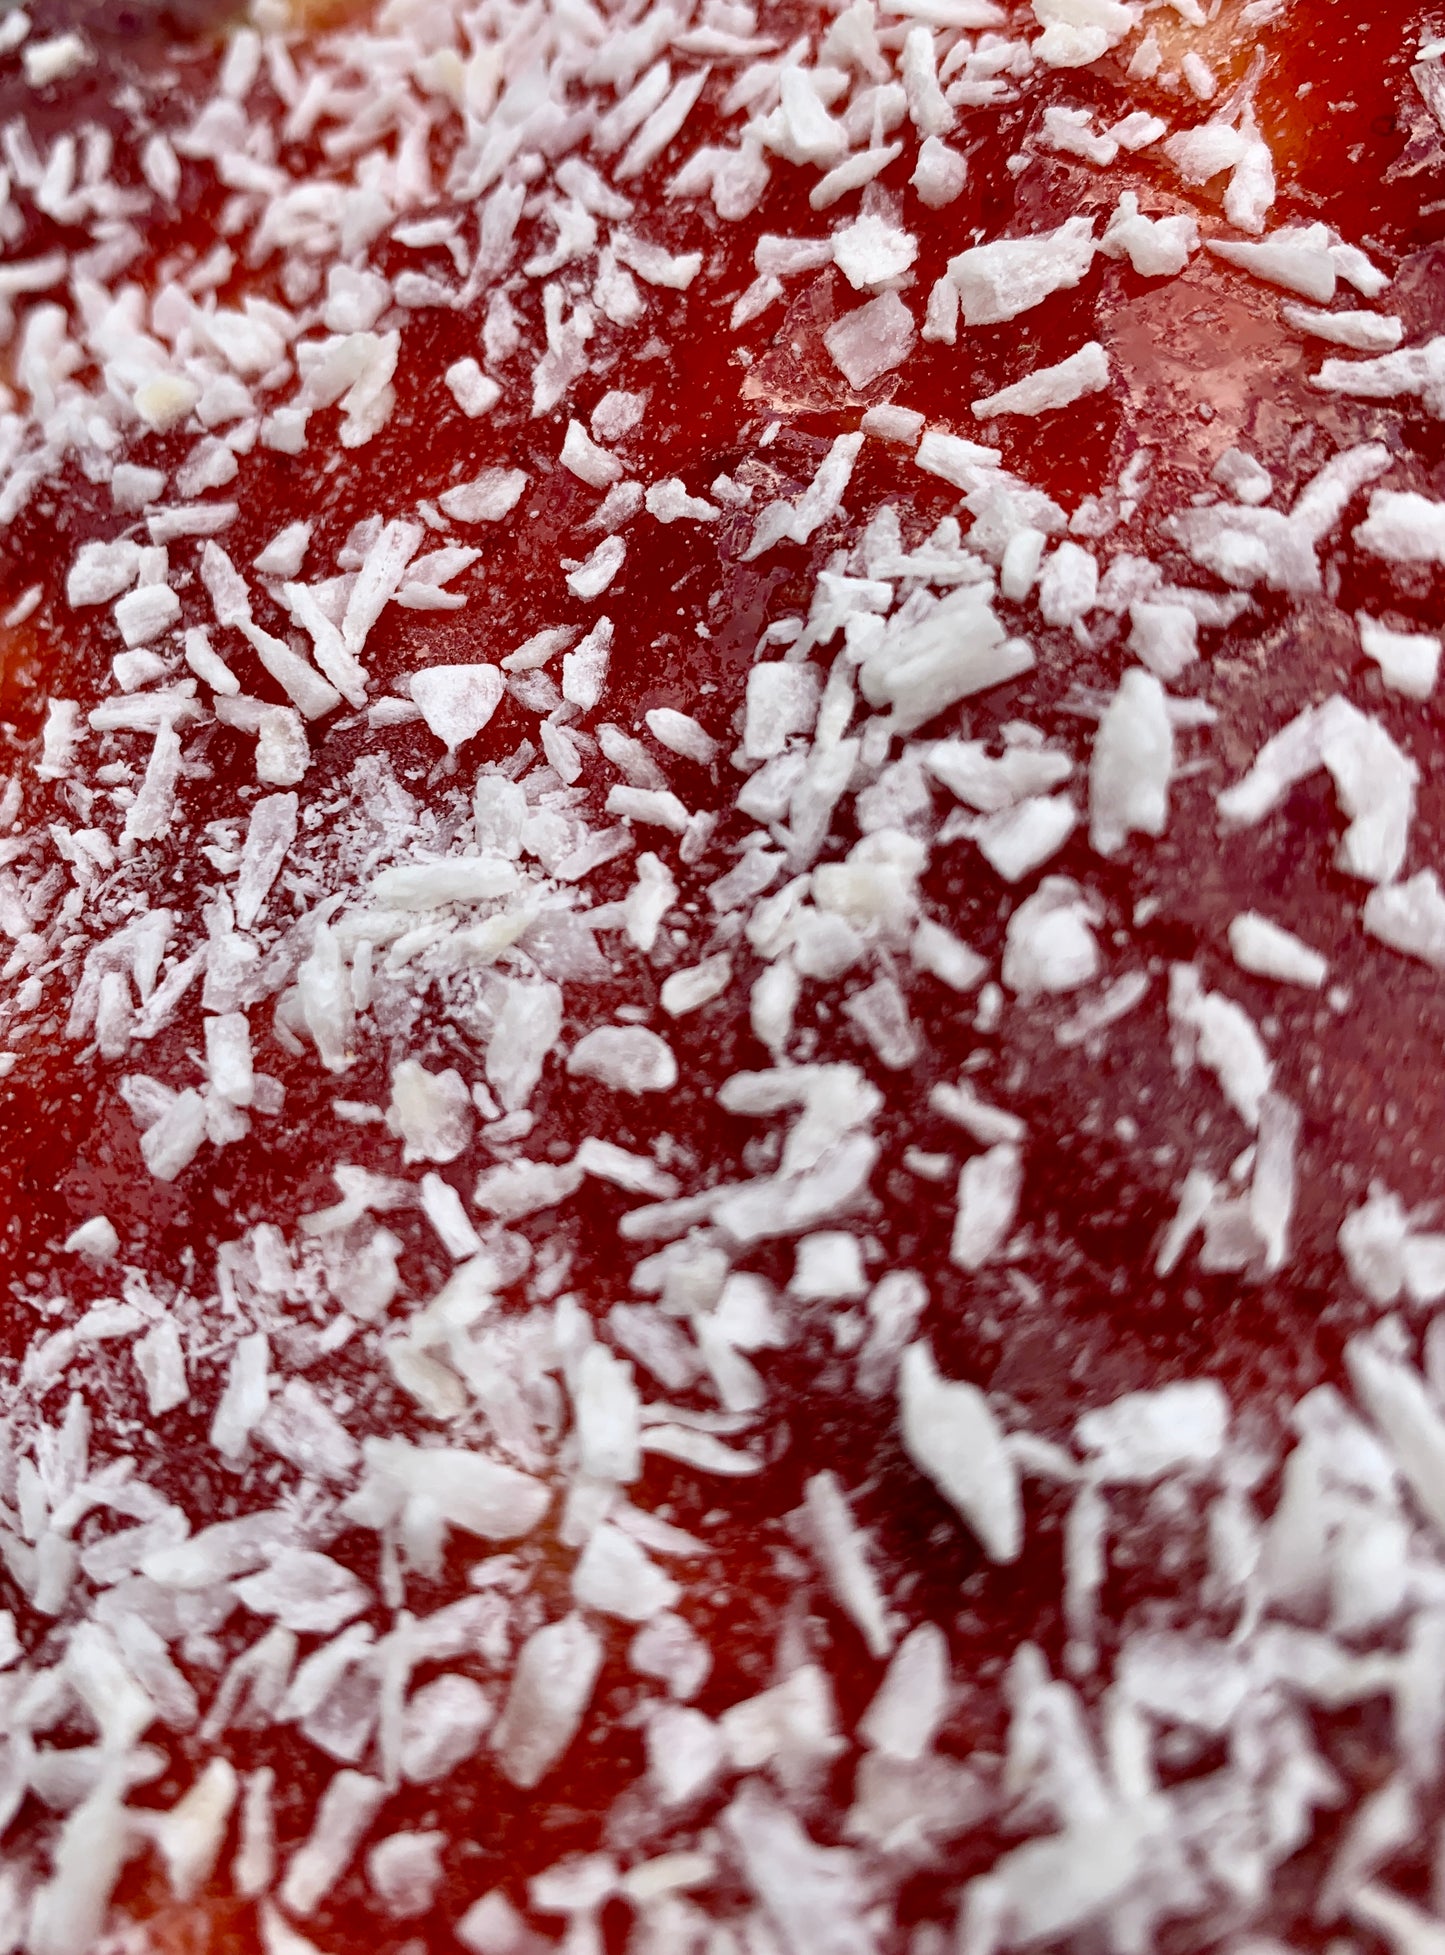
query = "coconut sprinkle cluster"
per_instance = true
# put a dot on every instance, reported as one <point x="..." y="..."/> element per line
<point x="719" y="988"/>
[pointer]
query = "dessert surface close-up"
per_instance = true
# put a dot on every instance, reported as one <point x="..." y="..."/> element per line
<point x="722" y="978"/>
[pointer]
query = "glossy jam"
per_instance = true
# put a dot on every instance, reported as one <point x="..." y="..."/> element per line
<point x="1201" y="362"/>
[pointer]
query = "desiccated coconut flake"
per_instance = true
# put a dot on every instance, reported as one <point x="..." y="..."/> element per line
<point x="144" y="615"/>
<point x="1272" y="1189"/>
<point x="595" y="466"/>
<point x="1163" y="637"/>
<point x="207" y="664"/>
<point x="328" y="646"/>
<point x="228" y="1057"/>
<point x="669" y="502"/>
<point x="1132" y="764"/>
<point x="1077" y="32"/>
<point x="443" y="1725"/>
<point x="799" y="520"/>
<point x="312" y="696"/>
<point x="904" y="1717"/>
<point x="1297" y="258"/>
<point x="1049" y="941"/>
<point x="445" y="1210"/>
<point x="954" y="458"/>
<point x="1374" y="779"/>
<point x="1410" y="917"/>
<point x="475" y="392"/>
<point x="68" y="1913"/>
<point x="628" y="1058"/>
<point x="1144" y="1435"/>
<point x="636" y="1174"/>
<point x="172" y="1141"/>
<point x="404" y="1871"/>
<point x="1246" y="479"/>
<point x="616" y="1576"/>
<point x="842" y="1550"/>
<point x="304" y="1591"/>
<point x="952" y="1437"/>
<point x="460" y="1488"/>
<point x="989" y="1187"/>
<point x="1403" y="527"/>
<point x="888" y="422"/>
<point x="940" y="173"/>
<point x="690" y="989"/>
<point x="102" y="571"/>
<point x="160" y="1359"/>
<point x="492" y="1926"/>
<point x="164" y="401"/>
<point x="1409" y="661"/>
<point x="56" y="59"/>
<point x="1071" y="132"/>
<point x="684" y="1753"/>
<point x="852" y="173"/>
<point x="1373" y="1239"/>
<point x="133" y="487"/>
<point x="487" y="498"/>
<point x="940" y="319"/>
<point x="95" y="1240"/>
<point x="872" y="253"/>
<point x="189" y="1837"/>
<point x="1048" y="388"/>
<point x="1399" y="1402"/>
<point x="815" y="1894"/>
<point x="286" y="552"/>
<point x="457" y="701"/>
<point x="591" y="577"/>
<point x="958" y="649"/>
<point x="872" y="340"/>
<point x="381" y="571"/>
<point x="430" y="1112"/>
<point x="1068" y="585"/>
<point x="59" y="738"/>
<point x="1224" y="1038"/>
<point x="998" y="281"/>
<point x="1020" y="839"/>
<point x="584" y="669"/>
<point x="552" y="1683"/>
<point x="1411" y="371"/>
<point x="1375" y="782"/>
<point x="245" y="1396"/>
<point x="654" y="136"/>
<point x="1265" y="948"/>
<point x="348" y="1805"/>
<point x="1156" y="247"/>
<point x="1363" y="332"/>
<point x="829" y="1268"/>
